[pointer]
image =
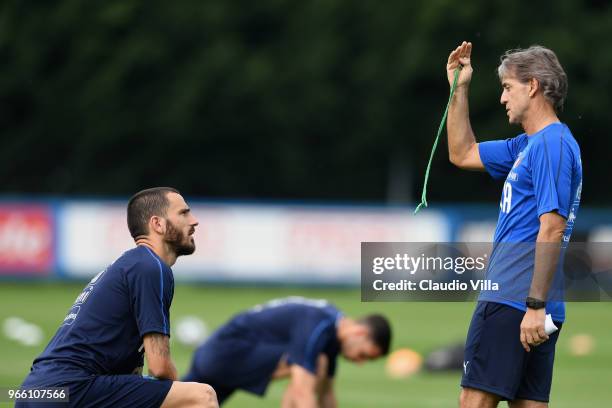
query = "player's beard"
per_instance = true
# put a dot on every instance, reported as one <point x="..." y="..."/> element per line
<point x="181" y="243"/>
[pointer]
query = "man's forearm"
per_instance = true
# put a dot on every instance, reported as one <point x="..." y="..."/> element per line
<point x="173" y="373"/>
<point x="168" y="372"/>
<point x="328" y="400"/>
<point x="157" y="353"/>
<point x="546" y="260"/>
<point x="458" y="127"/>
<point x="306" y="400"/>
<point x="299" y="400"/>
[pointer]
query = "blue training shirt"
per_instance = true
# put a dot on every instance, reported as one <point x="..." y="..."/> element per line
<point x="103" y="330"/>
<point x="307" y="327"/>
<point x="543" y="173"/>
<point x="245" y="351"/>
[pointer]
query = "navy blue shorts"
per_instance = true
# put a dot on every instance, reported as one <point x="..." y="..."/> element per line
<point x="113" y="391"/>
<point x="495" y="360"/>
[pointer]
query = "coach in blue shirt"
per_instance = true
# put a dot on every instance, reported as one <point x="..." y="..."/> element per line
<point x="292" y="337"/>
<point x="123" y="314"/>
<point x="508" y="355"/>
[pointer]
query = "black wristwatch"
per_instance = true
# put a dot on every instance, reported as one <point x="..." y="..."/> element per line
<point x="534" y="303"/>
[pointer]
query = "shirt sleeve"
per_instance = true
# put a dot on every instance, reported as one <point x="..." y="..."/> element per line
<point x="551" y="171"/>
<point x="498" y="156"/>
<point x="308" y="341"/>
<point x="151" y="290"/>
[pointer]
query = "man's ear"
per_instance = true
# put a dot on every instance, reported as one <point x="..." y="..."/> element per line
<point x="534" y="85"/>
<point x="157" y="224"/>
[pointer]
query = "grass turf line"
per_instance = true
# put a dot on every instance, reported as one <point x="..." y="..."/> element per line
<point x="578" y="381"/>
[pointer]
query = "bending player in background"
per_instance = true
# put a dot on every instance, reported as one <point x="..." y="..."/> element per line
<point x="123" y="313"/>
<point x="508" y="355"/>
<point x="293" y="337"/>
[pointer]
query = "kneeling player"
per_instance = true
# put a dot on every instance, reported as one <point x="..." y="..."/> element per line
<point x="96" y="355"/>
<point x="293" y="337"/>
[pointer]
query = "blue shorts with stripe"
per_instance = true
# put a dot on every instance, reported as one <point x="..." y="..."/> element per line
<point x="494" y="358"/>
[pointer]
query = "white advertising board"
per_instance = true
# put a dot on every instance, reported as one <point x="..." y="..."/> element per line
<point x="249" y="242"/>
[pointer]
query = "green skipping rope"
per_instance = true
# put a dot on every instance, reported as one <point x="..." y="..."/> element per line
<point x="435" y="145"/>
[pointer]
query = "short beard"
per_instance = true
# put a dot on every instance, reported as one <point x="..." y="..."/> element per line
<point x="175" y="239"/>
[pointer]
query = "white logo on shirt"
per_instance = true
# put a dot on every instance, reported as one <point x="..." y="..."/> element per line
<point x="71" y="316"/>
<point x="506" y="202"/>
<point x="95" y="279"/>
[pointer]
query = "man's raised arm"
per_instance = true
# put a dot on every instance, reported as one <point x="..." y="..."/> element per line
<point x="462" y="146"/>
<point x="157" y="353"/>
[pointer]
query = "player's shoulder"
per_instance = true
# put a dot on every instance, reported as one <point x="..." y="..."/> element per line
<point x="134" y="256"/>
<point x="316" y="306"/>
<point x="321" y="326"/>
<point x="554" y="138"/>
<point x="328" y="313"/>
<point x="517" y="143"/>
<point x="567" y="138"/>
<point x="140" y="259"/>
<point x="519" y="139"/>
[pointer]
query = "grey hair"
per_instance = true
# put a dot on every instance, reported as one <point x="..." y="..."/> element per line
<point x="540" y="63"/>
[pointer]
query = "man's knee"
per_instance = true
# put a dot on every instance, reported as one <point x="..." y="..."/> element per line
<point x="191" y="394"/>
<point x="205" y="395"/>
<point x="473" y="398"/>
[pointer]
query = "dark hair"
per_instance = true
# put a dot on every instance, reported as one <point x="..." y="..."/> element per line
<point x="540" y="63"/>
<point x="380" y="331"/>
<point x="145" y="204"/>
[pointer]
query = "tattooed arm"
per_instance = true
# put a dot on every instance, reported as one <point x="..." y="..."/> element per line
<point x="157" y="353"/>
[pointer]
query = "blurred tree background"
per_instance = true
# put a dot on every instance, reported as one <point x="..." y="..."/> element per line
<point x="267" y="99"/>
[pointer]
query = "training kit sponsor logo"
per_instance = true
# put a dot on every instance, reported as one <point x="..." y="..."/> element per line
<point x="71" y="316"/>
<point x="83" y="296"/>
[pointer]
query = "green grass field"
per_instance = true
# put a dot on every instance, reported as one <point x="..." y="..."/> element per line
<point x="578" y="381"/>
